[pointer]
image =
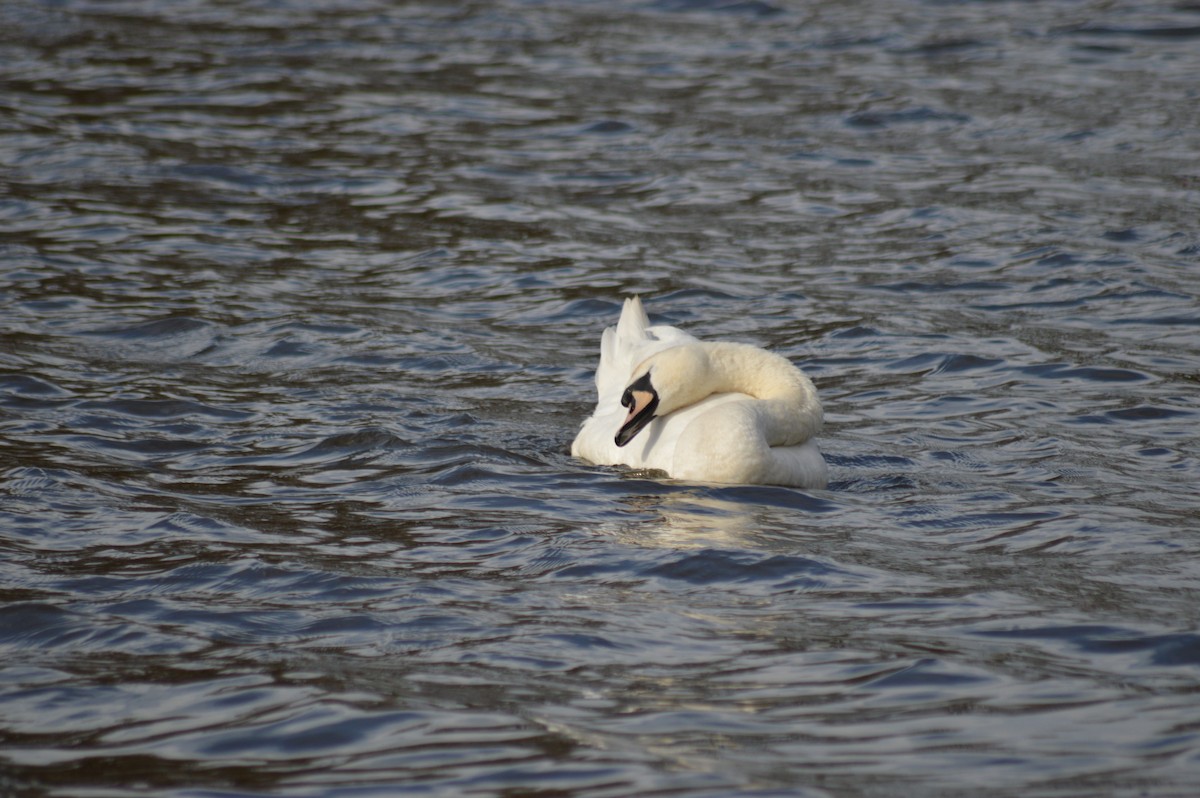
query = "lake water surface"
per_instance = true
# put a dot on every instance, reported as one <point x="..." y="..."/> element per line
<point x="299" y="306"/>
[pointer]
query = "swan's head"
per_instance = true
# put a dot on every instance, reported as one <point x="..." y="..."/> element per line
<point x="662" y="384"/>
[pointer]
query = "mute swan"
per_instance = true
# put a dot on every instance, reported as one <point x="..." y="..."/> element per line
<point x="702" y="412"/>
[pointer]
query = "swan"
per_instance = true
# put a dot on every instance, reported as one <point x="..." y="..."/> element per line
<point x="701" y="411"/>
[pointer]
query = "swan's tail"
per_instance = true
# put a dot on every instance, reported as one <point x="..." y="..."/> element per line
<point x="619" y="343"/>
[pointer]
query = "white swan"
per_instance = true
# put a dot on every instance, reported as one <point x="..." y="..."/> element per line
<point x="702" y="412"/>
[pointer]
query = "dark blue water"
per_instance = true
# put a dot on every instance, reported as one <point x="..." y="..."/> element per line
<point x="299" y="306"/>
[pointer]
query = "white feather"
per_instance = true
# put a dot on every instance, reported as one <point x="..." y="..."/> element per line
<point x="729" y="413"/>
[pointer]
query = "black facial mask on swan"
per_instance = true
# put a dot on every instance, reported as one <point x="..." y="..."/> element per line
<point x="642" y="400"/>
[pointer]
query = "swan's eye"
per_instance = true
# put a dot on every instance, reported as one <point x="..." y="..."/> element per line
<point x="626" y="399"/>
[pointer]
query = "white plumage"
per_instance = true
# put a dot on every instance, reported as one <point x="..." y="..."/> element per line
<point x="702" y="412"/>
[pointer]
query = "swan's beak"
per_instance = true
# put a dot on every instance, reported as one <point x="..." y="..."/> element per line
<point x="642" y="400"/>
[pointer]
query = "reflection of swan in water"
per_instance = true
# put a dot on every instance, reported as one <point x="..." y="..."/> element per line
<point x="703" y="412"/>
<point x="689" y="521"/>
<point x="734" y="518"/>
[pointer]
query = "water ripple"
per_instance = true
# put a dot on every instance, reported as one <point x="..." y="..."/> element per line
<point x="301" y="306"/>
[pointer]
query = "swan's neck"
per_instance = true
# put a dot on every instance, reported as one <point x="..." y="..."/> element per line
<point x="788" y="408"/>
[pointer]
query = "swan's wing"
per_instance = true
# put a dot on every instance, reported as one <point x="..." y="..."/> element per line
<point x="654" y="446"/>
<point x="622" y="347"/>
<point x="618" y="343"/>
<point x="800" y="466"/>
<point x="628" y="343"/>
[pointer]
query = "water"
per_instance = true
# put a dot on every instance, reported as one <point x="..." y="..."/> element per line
<point x="299" y="303"/>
